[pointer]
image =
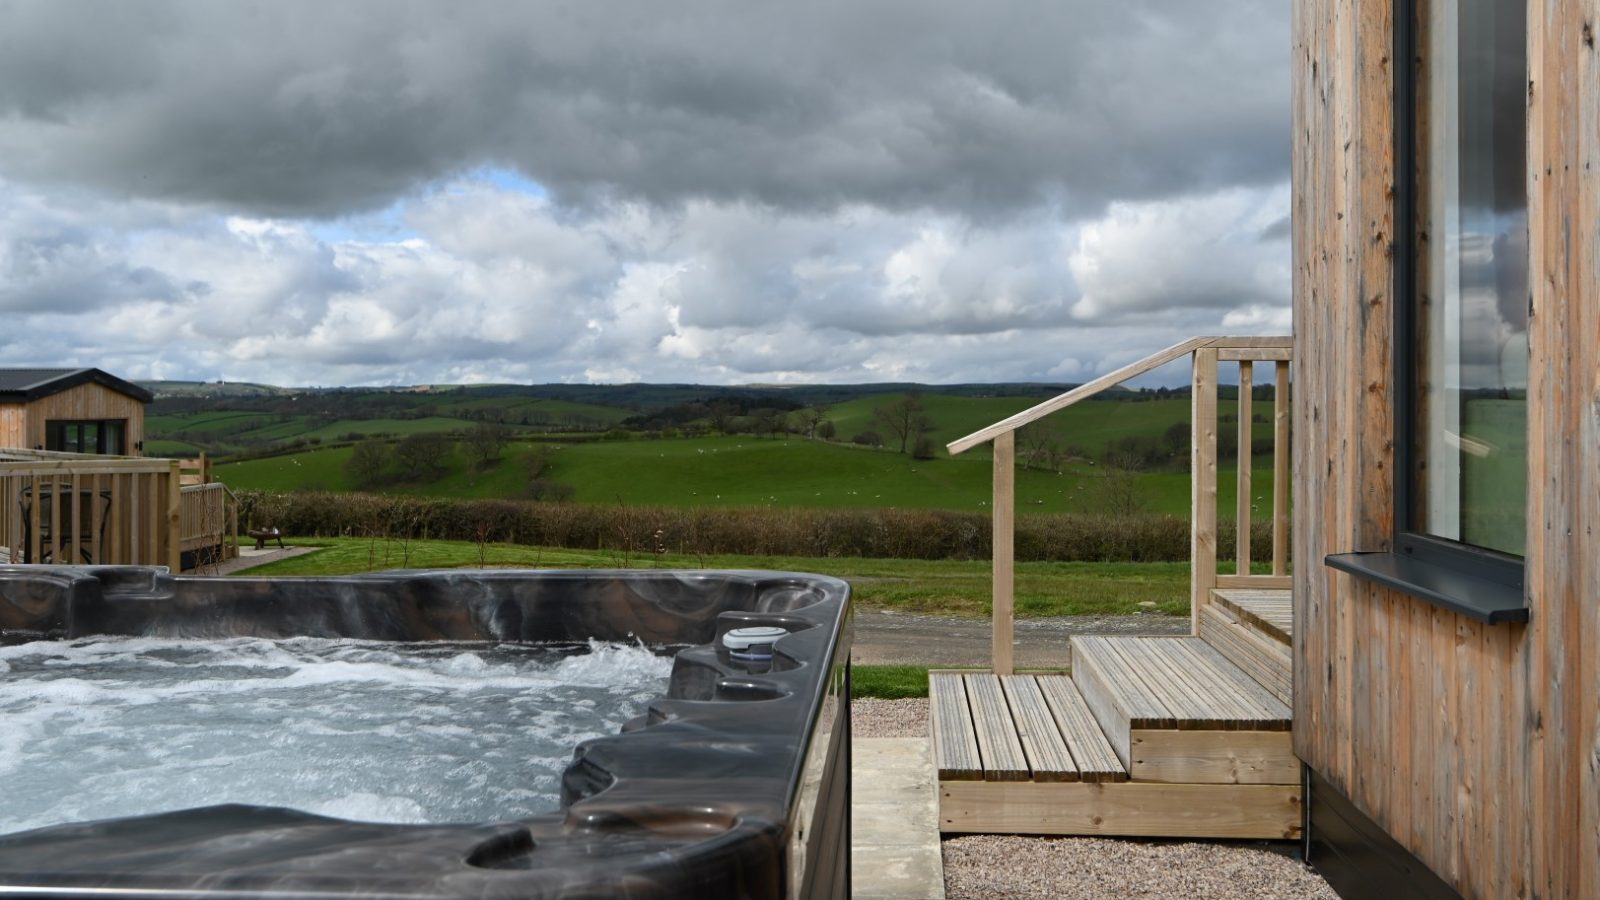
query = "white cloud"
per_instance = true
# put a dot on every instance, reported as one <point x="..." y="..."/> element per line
<point x="490" y="283"/>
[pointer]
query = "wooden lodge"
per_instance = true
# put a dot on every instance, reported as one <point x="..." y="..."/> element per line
<point x="70" y="453"/>
<point x="1417" y="697"/>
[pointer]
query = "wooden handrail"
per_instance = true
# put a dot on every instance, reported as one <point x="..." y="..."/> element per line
<point x="1207" y="353"/>
<point x="1085" y="391"/>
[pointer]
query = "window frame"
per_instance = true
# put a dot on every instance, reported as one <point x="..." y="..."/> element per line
<point x="101" y="434"/>
<point x="1474" y="562"/>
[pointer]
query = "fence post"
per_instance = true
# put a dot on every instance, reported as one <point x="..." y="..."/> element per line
<point x="1005" y="501"/>
<point x="1280" y="472"/>
<point x="175" y="517"/>
<point x="1203" y="484"/>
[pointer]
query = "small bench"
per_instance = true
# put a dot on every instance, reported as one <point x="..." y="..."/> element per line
<point x="262" y="535"/>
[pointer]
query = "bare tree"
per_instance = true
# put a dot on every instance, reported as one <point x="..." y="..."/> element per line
<point x="904" y="418"/>
<point x="485" y="441"/>
<point x="1038" y="447"/>
<point x="422" y="453"/>
<point x="811" y="417"/>
<point x="367" y="462"/>
<point x="1120" y="493"/>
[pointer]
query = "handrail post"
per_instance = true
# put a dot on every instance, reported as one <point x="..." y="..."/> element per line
<point x="1203" y="484"/>
<point x="1005" y="502"/>
<point x="1280" y="472"/>
<point x="1242" y="469"/>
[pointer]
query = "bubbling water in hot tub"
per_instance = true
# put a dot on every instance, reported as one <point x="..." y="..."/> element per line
<point x="372" y="731"/>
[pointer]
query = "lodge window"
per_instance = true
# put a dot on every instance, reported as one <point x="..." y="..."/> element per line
<point x="87" y="436"/>
<point x="1462" y="299"/>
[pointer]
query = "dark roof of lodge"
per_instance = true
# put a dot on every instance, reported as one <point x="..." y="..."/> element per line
<point x="23" y="385"/>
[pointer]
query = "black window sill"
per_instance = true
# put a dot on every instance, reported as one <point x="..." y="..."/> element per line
<point x="1476" y="598"/>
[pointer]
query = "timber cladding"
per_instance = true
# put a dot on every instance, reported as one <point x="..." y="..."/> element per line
<point x="1475" y="746"/>
<point x="23" y="425"/>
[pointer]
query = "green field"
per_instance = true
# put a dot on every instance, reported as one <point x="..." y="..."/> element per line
<point x="1088" y="425"/>
<point x="746" y="471"/>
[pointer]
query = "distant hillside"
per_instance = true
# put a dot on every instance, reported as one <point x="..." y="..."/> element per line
<point x="635" y="397"/>
<point x="240" y="420"/>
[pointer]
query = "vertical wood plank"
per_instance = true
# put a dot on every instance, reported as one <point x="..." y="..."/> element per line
<point x="35" y="515"/>
<point x="138" y="527"/>
<point x="1203" y="483"/>
<point x="174" y="517"/>
<point x="55" y="520"/>
<point x="1242" y="504"/>
<point x="1005" y="501"/>
<point x="97" y="517"/>
<point x="1280" y="472"/>
<point x="117" y="554"/>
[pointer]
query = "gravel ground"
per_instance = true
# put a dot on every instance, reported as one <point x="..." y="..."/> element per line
<point x="889" y="718"/>
<point x="989" y="867"/>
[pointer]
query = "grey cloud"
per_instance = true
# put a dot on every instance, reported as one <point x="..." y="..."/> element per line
<point x="316" y="109"/>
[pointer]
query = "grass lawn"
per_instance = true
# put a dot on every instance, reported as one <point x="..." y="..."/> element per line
<point x="888" y="682"/>
<point x="944" y="587"/>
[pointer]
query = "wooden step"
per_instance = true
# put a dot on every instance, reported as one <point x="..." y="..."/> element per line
<point x="1187" y="783"/>
<point x="1262" y="657"/>
<point x="1177" y="711"/>
<point x="1271" y="613"/>
<point x="1016" y="728"/>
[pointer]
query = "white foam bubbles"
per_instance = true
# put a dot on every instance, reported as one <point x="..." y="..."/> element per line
<point x="390" y="732"/>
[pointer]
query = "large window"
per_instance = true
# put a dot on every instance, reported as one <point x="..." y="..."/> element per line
<point x="87" y="436"/>
<point x="1463" y="358"/>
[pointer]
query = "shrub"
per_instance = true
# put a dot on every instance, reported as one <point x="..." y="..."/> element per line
<point x="868" y="439"/>
<point x="881" y="533"/>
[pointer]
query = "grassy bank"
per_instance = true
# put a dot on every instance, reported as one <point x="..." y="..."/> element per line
<point x="942" y="587"/>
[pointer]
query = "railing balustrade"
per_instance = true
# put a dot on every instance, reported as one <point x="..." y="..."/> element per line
<point x="1207" y="353"/>
<point x="77" y="509"/>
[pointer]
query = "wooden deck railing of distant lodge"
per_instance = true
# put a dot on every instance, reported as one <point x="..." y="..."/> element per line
<point x="112" y="511"/>
<point x="1208" y="354"/>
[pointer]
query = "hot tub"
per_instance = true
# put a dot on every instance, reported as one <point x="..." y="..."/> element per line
<point x="735" y="783"/>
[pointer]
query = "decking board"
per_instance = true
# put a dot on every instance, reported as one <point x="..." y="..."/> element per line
<point x="1091" y="749"/>
<point x="955" y="745"/>
<point x="998" y="743"/>
<point x="1042" y="743"/>
<point x="1272" y="612"/>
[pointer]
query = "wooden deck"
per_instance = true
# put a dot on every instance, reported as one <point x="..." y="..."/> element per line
<point x="1149" y="736"/>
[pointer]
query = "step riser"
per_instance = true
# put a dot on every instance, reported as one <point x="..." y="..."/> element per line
<point x="1099" y="695"/>
<point x="1261" y="656"/>
<point x="1213" y="757"/>
<point x="1126" y="809"/>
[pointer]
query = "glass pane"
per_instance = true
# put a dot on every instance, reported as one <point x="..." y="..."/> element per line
<point x="1471" y="319"/>
<point x="113" y="430"/>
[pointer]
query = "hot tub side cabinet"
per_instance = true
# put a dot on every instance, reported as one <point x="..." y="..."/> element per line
<point x="1446" y="647"/>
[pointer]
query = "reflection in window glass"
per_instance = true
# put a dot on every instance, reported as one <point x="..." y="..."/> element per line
<point x="1471" y="318"/>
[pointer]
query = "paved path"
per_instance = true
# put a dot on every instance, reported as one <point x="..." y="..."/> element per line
<point x="249" y="558"/>
<point x="894" y="821"/>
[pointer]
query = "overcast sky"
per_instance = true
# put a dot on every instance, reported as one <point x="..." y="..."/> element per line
<point x="717" y="192"/>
